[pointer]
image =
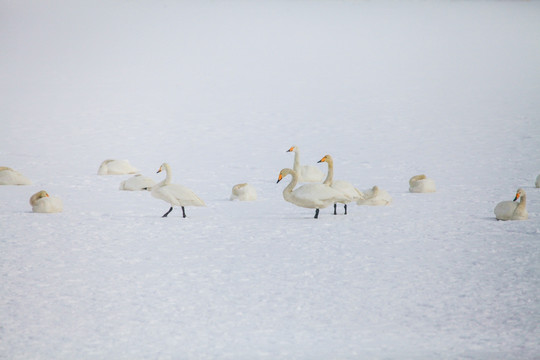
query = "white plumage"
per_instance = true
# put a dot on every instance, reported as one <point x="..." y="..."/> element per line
<point x="512" y="210"/>
<point x="137" y="182"/>
<point x="116" y="167"/>
<point x="306" y="173"/>
<point x="43" y="203"/>
<point x="374" y="197"/>
<point x="174" y="194"/>
<point x="343" y="187"/>
<point x="243" y="192"/>
<point x="421" y="184"/>
<point x="312" y="196"/>
<point x="8" y="176"/>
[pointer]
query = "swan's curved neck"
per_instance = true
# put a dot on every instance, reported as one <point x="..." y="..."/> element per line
<point x="330" y="177"/>
<point x="296" y="165"/>
<point x="168" y="175"/>
<point x="522" y="202"/>
<point x="289" y="188"/>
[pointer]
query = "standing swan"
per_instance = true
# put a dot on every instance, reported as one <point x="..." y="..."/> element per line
<point x="511" y="210"/>
<point x="312" y="196"/>
<point x="306" y="173"/>
<point x="116" y="167"/>
<point x="174" y="194"/>
<point x="421" y="184"/>
<point x="344" y="187"/>
<point x="8" y="176"/>
<point x="43" y="203"/>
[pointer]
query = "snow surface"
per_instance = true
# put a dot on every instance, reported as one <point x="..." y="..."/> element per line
<point x="220" y="90"/>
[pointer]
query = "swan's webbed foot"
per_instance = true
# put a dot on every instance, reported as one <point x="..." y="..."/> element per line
<point x="168" y="212"/>
<point x="183" y="212"/>
<point x="316" y="214"/>
<point x="335" y="209"/>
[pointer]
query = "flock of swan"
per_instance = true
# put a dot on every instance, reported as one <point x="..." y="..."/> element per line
<point x="318" y="192"/>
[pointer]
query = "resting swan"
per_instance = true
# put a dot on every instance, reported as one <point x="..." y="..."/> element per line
<point x="306" y="173"/>
<point x="512" y="210"/>
<point x="344" y="187"/>
<point x="311" y="196"/>
<point x="43" y="203"/>
<point x="375" y="197"/>
<point x="116" y="167"/>
<point x="244" y="192"/>
<point x="176" y="195"/>
<point x="8" y="176"/>
<point x="421" y="184"/>
<point x="137" y="182"/>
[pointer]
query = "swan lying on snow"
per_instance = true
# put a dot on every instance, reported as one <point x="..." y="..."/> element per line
<point x="43" y="203"/>
<point x="243" y="192"/>
<point x="512" y="210"/>
<point x="137" y="182"/>
<point x="375" y="197"/>
<point x="312" y="196"/>
<point x="421" y="184"/>
<point x="8" y="176"/>
<point x="344" y="187"/>
<point x="116" y="167"/>
<point x="306" y="173"/>
<point x="537" y="183"/>
<point x="176" y="195"/>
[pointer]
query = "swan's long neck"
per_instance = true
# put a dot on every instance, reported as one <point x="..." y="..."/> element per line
<point x="168" y="175"/>
<point x="296" y="165"/>
<point x="330" y="177"/>
<point x="522" y="203"/>
<point x="289" y="188"/>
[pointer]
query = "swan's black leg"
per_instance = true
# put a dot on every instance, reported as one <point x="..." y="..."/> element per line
<point x="316" y="214"/>
<point x="183" y="212"/>
<point x="345" y="207"/>
<point x="335" y="209"/>
<point x="167" y="213"/>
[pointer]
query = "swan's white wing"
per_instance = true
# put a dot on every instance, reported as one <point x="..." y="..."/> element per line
<point x="309" y="173"/>
<point x="505" y="210"/>
<point x="346" y="188"/>
<point x="319" y="194"/>
<point x="12" y="177"/>
<point x="48" y="205"/>
<point x="178" y="195"/>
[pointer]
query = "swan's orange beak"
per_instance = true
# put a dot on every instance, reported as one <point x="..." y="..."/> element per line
<point x="279" y="178"/>
<point x="291" y="149"/>
<point x="46" y="194"/>
<point x="159" y="170"/>
<point x="517" y="197"/>
<point x="322" y="160"/>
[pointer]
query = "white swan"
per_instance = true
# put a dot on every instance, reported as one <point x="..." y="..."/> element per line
<point x="43" y="203"/>
<point x="116" y="167"/>
<point x="137" y="182"/>
<point x="344" y="187"/>
<point x="512" y="210"/>
<point x="421" y="184"/>
<point x="306" y="173"/>
<point x="537" y="183"/>
<point x="8" y="176"/>
<point x="176" y="195"/>
<point x="244" y="192"/>
<point x="374" y="197"/>
<point x="311" y="196"/>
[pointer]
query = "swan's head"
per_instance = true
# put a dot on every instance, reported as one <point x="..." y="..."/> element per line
<point x="520" y="193"/>
<point x="42" y="194"/>
<point x="292" y="148"/>
<point x="283" y="173"/>
<point x="163" y="166"/>
<point x="326" y="158"/>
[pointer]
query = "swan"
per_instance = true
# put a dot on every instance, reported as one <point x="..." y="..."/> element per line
<point x="312" y="196"/>
<point x="43" y="203"/>
<point x="116" y="167"/>
<point x="374" y="197"/>
<point x="344" y="187"/>
<point x="537" y="183"/>
<point x="8" y="176"/>
<point x="174" y="194"/>
<point x="243" y="192"/>
<point x="421" y="184"/>
<point x="137" y="182"/>
<point x="306" y="173"/>
<point x="512" y="210"/>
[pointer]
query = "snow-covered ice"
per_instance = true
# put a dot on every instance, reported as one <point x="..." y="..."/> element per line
<point x="220" y="90"/>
